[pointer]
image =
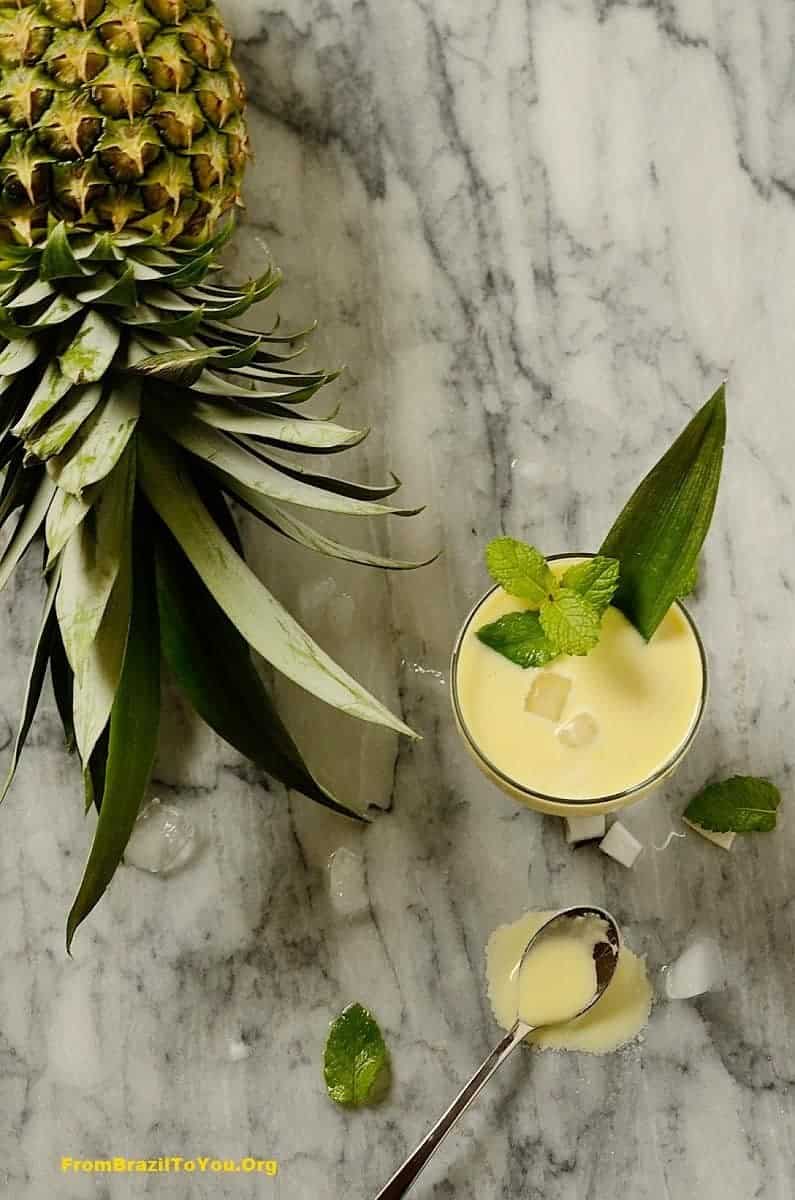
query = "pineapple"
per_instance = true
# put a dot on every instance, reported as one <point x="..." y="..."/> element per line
<point x="133" y="409"/>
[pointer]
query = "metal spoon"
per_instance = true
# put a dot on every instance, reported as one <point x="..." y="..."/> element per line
<point x="605" y="959"/>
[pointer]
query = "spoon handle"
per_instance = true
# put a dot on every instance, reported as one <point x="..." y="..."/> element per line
<point x="405" y="1175"/>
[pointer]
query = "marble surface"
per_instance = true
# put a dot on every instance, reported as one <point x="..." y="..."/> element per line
<point x="538" y="234"/>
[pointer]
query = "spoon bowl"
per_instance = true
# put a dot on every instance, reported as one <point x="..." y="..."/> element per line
<point x="605" y="951"/>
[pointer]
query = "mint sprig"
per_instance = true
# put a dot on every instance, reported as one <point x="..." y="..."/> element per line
<point x="519" y="637"/>
<point x="741" y="804"/>
<point x="356" y="1060"/>
<point x="520" y="570"/>
<point x="562" y="617"/>
<point x="595" y="579"/>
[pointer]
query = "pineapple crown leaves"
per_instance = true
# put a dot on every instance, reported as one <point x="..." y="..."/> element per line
<point x="131" y="412"/>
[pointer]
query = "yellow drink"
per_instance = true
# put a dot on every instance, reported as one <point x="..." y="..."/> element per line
<point x="598" y="729"/>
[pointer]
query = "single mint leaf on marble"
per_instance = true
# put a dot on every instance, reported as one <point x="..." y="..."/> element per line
<point x="659" y="533"/>
<point x="356" y="1060"/>
<point x="595" y="579"/>
<point x="520" y="570"/>
<point x="742" y="804"/>
<point x="519" y="637"/>
<point x="570" y="622"/>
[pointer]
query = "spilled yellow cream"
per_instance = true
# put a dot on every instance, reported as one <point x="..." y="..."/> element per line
<point x="616" y="1018"/>
<point x="643" y="699"/>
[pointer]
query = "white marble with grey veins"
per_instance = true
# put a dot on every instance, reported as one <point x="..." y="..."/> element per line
<point x="538" y="234"/>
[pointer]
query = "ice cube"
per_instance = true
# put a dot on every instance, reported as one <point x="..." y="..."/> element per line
<point x="698" y="969"/>
<point x="548" y="695"/>
<point x="584" y="829"/>
<point x="579" y="731"/>
<point x="347" y="882"/>
<point x="621" y="845"/>
<point x="163" y="839"/>
<point x="238" y="1050"/>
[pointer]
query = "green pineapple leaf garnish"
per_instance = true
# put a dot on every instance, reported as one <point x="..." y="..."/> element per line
<point x="356" y="1060"/>
<point x="741" y="804"/>
<point x="659" y="533"/>
<point x="561" y="617"/>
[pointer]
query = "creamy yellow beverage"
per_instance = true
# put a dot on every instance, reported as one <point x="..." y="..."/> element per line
<point x="616" y="1018"/>
<point x="556" y="981"/>
<point x="581" y="728"/>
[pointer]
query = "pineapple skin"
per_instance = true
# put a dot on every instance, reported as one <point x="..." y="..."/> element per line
<point x="118" y="114"/>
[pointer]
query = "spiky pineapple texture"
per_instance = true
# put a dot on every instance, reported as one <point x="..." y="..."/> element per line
<point x="132" y="408"/>
<point x="117" y="112"/>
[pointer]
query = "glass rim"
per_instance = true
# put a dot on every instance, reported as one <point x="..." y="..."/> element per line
<point x="625" y="794"/>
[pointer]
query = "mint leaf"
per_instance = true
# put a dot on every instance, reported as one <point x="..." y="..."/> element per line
<point x="520" y="570"/>
<point x="595" y="580"/>
<point x="356" y="1060"/>
<point x="659" y="533"/>
<point x="742" y="804"/>
<point x="519" y="637"/>
<point x="570" y="622"/>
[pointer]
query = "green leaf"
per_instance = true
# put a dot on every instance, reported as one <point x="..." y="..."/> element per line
<point x="212" y="664"/>
<point x="63" y="689"/>
<point x="570" y="622"/>
<point x="520" y="570"/>
<point x="92" y="560"/>
<point x="134" y="724"/>
<point x="55" y="433"/>
<point x="741" y="804"/>
<point x="116" y="290"/>
<point x="182" y="367"/>
<point x="62" y="309"/>
<point x="87" y="358"/>
<point x="29" y="524"/>
<point x="94" y="773"/>
<point x="99" y="669"/>
<point x="58" y="260"/>
<point x="356" y="1060"/>
<point x="38" y="670"/>
<point x="263" y="622"/>
<point x="34" y="293"/>
<point x="658" y="535"/>
<point x="299" y="531"/>
<point x="235" y="461"/>
<point x="94" y="454"/>
<point x="53" y="387"/>
<point x="595" y="579"/>
<point x="690" y="584"/>
<point x="18" y="355"/>
<point x="519" y="637"/>
<point x="63" y="517"/>
<point x="310" y="435"/>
